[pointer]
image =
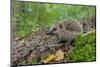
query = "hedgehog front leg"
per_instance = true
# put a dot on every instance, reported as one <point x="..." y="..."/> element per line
<point x="67" y="46"/>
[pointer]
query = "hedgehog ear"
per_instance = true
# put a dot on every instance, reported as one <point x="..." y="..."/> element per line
<point x="60" y="26"/>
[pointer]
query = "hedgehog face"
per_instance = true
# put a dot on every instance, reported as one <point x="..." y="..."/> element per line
<point x="54" y="30"/>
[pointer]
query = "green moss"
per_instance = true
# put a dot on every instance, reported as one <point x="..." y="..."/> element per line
<point x="34" y="62"/>
<point x="85" y="49"/>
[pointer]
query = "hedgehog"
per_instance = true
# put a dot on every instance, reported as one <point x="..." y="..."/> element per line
<point x="66" y="30"/>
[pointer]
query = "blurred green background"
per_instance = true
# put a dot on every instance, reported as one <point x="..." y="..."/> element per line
<point x="30" y="16"/>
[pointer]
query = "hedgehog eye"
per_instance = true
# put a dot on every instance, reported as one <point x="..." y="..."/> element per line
<point x="60" y="26"/>
<point x="54" y="29"/>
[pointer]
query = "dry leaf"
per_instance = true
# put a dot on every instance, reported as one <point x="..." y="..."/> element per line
<point x="59" y="55"/>
<point x="49" y="58"/>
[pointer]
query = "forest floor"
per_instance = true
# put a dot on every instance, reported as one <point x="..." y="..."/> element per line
<point x="40" y="48"/>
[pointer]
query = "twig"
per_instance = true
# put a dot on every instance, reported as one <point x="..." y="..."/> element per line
<point x="20" y="43"/>
<point x="90" y="32"/>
